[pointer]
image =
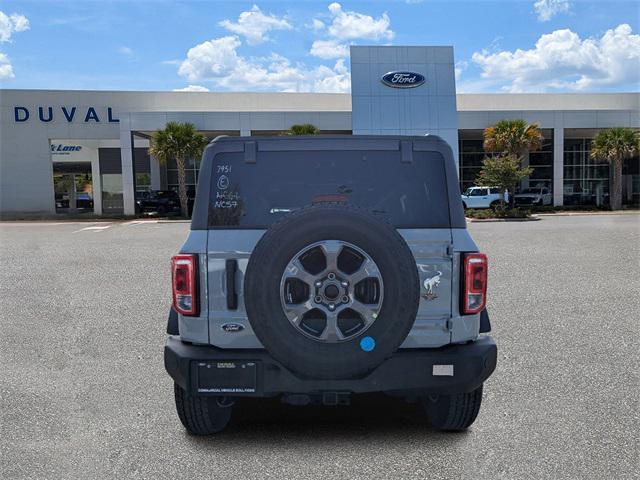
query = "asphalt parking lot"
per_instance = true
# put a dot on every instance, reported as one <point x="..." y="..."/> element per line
<point x="84" y="393"/>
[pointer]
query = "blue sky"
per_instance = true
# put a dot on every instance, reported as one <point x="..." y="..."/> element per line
<point x="500" y="46"/>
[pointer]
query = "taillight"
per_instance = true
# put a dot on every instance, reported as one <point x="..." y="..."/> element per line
<point x="474" y="296"/>
<point x="184" y="274"/>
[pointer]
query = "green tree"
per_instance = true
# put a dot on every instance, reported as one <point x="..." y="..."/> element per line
<point x="303" y="129"/>
<point x="179" y="141"/>
<point x="513" y="137"/>
<point x="616" y="145"/>
<point x="504" y="172"/>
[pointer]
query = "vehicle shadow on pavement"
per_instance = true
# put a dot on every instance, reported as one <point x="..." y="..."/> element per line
<point x="368" y="415"/>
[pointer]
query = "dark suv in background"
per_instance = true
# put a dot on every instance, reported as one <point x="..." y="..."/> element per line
<point x="162" y="202"/>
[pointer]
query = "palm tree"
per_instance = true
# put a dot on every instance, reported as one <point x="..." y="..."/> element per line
<point x="616" y="145"/>
<point x="303" y="129"/>
<point x="513" y="137"/>
<point x="179" y="141"/>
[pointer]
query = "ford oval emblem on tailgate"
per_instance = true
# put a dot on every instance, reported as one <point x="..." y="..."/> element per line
<point x="403" y="79"/>
<point x="232" y="327"/>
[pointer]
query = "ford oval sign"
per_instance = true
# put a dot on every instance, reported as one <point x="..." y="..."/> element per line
<point x="403" y="79"/>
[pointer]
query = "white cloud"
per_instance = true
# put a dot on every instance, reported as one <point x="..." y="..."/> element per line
<point x="317" y="25"/>
<point x="254" y="25"/>
<point x="10" y="24"/>
<point x="460" y="67"/>
<point x="346" y="25"/>
<point x="561" y="60"/>
<point x="192" y="88"/>
<point x="218" y="61"/>
<point x="547" y="9"/>
<point x="125" y="51"/>
<point x="211" y="59"/>
<point x="329" y="49"/>
<point x="331" y="80"/>
<point x="6" y="70"/>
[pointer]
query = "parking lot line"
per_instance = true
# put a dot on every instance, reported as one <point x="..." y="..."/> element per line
<point x="93" y="228"/>
<point x="139" y="222"/>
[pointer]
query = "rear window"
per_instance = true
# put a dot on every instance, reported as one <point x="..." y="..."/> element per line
<point x="255" y="195"/>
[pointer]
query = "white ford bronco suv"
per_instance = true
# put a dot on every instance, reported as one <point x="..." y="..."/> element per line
<point x="321" y="267"/>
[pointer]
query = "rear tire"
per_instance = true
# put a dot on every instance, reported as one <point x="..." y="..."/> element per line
<point x="495" y="205"/>
<point x="453" y="412"/>
<point x="202" y="415"/>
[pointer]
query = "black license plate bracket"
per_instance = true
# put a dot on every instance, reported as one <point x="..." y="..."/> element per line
<point x="228" y="377"/>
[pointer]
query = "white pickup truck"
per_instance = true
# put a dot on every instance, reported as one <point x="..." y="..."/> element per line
<point x="482" y="197"/>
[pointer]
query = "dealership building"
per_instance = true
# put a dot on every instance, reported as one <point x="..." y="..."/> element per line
<point x="70" y="151"/>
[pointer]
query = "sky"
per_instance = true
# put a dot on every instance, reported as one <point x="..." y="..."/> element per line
<point x="303" y="46"/>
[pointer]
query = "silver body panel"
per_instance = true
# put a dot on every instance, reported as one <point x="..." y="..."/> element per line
<point x="436" y="251"/>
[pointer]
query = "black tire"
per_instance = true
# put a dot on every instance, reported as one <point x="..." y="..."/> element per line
<point x="453" y="412"/>
<point x="330" y="221"/>
<point x="495" y="205"/>
<point x="202" y="415"/>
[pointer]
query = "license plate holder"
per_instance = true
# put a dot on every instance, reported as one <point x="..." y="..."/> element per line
<point x="230" y="377"/>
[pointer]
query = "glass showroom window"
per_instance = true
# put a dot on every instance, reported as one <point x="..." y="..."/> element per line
<point x="542" y="163"/>
<point x="471" y="156"/>
<point x="143" y="182"/>
<point x="142" y="169"/>
<point x="191" y="174"/>
<point x="586" y="181"/>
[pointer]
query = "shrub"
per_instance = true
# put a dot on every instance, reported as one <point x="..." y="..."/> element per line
<point x="490" y="213"/>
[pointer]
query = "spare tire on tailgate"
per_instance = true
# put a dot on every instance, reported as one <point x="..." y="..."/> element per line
<point x="331" y="291"/>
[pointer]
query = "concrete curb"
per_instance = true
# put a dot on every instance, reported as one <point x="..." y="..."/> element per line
<point x="572" y="214"/>
<point x="491" y="220"/>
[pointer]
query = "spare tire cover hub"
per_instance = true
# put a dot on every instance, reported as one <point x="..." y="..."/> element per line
<point x="331" y="291"/>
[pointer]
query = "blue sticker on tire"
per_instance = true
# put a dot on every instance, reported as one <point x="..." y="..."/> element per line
<point x="367" y="344"/>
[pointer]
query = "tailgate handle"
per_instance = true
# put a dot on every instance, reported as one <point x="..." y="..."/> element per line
<point x="231" y="266"/>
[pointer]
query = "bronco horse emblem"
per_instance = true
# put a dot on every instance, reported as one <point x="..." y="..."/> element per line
<point x="430" y="284"/>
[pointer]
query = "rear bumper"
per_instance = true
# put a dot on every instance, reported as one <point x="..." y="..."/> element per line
<point x="206" y="370"/>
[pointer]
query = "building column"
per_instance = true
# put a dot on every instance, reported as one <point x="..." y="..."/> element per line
<point x="558" y="166"/>
<point x="126" y="158"/>
<point x="96" y="184"/>
<point x="154" y="167"/>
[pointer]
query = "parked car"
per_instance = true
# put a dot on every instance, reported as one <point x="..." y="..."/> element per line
<point x="534" y="196"/>
<point x="328" y="280"/>
<point x="161" y="202"/>
<point x="482" y="197"/>
<point x="84" y="201"/>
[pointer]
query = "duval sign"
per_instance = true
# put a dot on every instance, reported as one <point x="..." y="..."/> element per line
<point x="69" y="114"/>
<point x="403" y="79"/>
